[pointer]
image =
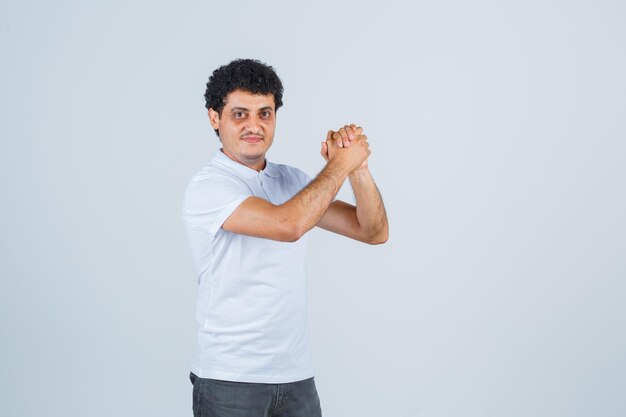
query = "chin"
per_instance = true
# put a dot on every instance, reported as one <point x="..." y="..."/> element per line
<point x="252" y="157"/>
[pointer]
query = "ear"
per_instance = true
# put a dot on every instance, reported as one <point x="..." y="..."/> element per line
<point x="214" y="118"/>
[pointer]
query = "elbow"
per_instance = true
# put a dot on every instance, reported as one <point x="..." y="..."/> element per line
<point x="291" y="236"/>
<point x="292" y="232"/>
<point x="287" y="225"/>
<point x="381" y="241"/>
<point x="298" y="232"/>
<point x="379" y="238"/>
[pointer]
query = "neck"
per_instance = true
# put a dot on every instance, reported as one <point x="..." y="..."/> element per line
<point x="257" y="164"/>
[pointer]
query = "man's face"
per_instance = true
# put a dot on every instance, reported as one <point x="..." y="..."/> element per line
<point x="246" y="126"/>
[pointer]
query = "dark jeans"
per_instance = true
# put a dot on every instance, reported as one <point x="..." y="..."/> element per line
<point x="217" y="398"/>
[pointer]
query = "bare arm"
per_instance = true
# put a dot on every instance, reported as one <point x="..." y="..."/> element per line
<point x="367" y="221"/>
<point x="289" y="221"/>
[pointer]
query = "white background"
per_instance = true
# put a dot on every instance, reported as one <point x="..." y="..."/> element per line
<point x="498" y="143"/>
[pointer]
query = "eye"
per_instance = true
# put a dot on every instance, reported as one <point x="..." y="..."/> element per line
<point x="239" y="115"/>
<point x="266" y="114"/>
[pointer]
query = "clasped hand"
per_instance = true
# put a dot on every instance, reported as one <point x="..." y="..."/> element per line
<point x="349" y="144"/>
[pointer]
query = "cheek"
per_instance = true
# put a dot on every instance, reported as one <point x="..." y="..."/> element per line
<point x="268" y="124"/>
<point x="235" y="125"/>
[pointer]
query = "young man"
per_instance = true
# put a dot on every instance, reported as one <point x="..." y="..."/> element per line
<point x="246" y="219"/>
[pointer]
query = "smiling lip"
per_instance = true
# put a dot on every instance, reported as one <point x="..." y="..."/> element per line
<point x="252" y="139"/>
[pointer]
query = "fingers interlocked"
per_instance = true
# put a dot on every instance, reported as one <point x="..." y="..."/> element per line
<point x="346" y="134"/>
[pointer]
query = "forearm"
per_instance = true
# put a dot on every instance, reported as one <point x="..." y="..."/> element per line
<point x="370" y="210"/>
<point x="287" y="222"/>
<point x="306" y="208"/>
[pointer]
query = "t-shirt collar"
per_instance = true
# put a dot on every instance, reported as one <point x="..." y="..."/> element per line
<point x="270" y="168"/>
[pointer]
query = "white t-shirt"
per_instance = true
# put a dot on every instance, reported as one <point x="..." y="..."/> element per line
<point x="252" y="298"/>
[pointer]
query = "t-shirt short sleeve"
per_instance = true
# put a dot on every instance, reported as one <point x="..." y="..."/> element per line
<point x="303" y="177"/>
<point x="210" y="200"/>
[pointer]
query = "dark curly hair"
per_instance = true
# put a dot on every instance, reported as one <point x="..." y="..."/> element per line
<point x="242" y="74"/>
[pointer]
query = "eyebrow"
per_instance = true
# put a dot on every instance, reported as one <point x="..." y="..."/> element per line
<point x="244" y="109"/>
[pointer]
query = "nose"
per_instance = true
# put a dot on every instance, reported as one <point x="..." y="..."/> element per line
<point x="253" y="126"/>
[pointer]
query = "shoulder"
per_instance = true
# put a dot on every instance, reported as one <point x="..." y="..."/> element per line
<point x="212" y="175"/>
<point x="213" y="187"/>
<point x="292" y="173"/>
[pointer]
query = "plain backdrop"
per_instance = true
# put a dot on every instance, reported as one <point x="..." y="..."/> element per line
<point x="498" y="136"/>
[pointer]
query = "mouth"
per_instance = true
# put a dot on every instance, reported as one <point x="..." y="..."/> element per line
<point x="252" y="139"/>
